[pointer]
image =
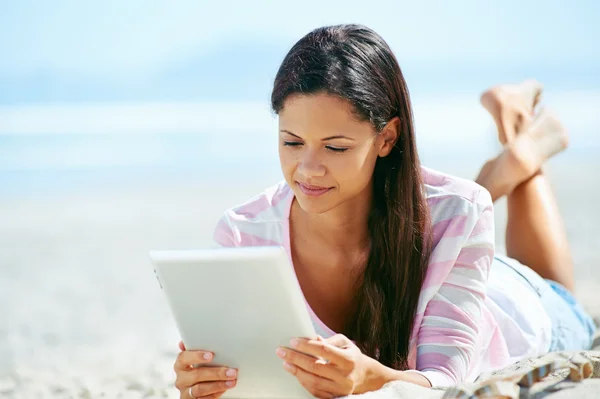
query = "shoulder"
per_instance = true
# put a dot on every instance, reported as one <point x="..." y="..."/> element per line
<point x="462" y="213"/>
<point x="272" y="204"/>
<point x="451" y="196"/>
<point x="257" y="221"/>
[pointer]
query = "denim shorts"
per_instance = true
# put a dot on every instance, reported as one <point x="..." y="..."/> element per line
<point x="572" y="327"/>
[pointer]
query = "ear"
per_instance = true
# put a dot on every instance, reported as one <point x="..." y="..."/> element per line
<point x="389" y="136"/>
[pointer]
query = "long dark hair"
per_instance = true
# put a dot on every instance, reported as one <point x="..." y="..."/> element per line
<point x="354" y="63"/>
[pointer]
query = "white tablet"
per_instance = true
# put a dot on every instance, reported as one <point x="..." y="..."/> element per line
<point x="241" y="304"/>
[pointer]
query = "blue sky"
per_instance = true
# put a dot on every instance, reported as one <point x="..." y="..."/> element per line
<point x="140" y="66"/>
<point x="140" y="50"/>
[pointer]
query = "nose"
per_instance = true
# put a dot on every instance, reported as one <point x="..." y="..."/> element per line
<point x="310" y="166"/>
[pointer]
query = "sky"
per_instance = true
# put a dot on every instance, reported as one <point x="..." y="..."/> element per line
<point x="69" y="51"/>
<point x="136" y="70"/>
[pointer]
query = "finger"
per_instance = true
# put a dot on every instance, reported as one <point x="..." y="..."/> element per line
<point x="213" y="396"/>
<point x="310" y="364"/>
<point x="339" y="341"/>
<point x="204" y="374"/>
<point x="323" y="395"/>
<point x="181" y="346"/>
<point x="323" y="350"/>
<point x="186" y="359"/>
<point x="311" y="382"/>
<point x="187" y="394"/>
<point x="211" y="388"/>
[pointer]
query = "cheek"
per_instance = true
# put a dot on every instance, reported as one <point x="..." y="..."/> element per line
<point x="287" y="161"/>
<point x="358" y="168"/>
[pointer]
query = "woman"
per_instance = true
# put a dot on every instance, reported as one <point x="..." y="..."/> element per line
<point x="396" y="261"/>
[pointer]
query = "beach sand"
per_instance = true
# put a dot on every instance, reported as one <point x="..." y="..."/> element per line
<point x="82" y="313"/>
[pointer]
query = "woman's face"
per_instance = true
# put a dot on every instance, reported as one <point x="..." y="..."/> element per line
<point x="327" y="156"/>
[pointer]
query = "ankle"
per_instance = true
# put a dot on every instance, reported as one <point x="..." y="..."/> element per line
<point x="493" y="178"/>
<point x="521" y="158"/>
<point x="508" y="170"/>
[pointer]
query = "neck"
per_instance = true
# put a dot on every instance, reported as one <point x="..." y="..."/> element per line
<point x="345" y="226"/>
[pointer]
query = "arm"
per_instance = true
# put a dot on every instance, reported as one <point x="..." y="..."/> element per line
<point x="383" y="374"/>
<point x="447" y="343"/>
<point x="346" y="370"/>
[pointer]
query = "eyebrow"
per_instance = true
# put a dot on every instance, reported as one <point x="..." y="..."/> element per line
<point x="339" y="136"/>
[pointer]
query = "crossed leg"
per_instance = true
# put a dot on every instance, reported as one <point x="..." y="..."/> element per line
<point x="535" y="233"/>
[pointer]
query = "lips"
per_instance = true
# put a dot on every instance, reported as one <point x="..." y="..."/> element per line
<point x="313" y="191"/>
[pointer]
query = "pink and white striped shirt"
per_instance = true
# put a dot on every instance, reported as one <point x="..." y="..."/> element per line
<point x="457" y="334"/>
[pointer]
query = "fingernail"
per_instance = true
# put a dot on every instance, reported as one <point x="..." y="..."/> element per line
<point x="287" y="366"/>
<point x="231" y="373"/>
<point x="280" y="352"/>
<point x="294" y="343"/>
<point x="207" y="356"/>
<point x="230" y="383"/>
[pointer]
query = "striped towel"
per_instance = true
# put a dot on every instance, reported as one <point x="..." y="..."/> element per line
<point x="558" y="366"/>
<point x="575" y="373"/>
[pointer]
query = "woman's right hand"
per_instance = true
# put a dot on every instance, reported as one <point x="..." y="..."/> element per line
<point x="201" y="381"/>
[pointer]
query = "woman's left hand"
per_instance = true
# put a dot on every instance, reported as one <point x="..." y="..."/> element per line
<point x="331" y="367"/>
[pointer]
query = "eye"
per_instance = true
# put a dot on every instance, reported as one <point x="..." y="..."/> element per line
<point x="292" y="143"/>
<point x="336" y="149"/>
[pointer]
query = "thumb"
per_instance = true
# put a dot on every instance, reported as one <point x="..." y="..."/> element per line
<point x="181" y="346"/>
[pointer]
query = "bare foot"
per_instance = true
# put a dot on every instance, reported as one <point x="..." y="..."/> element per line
<point x="512" y="107"/>
<point x="545" y="138"/>
<point x="525" y="155"/>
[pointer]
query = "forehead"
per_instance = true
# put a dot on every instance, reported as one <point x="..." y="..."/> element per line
<point x="320" y="113"/>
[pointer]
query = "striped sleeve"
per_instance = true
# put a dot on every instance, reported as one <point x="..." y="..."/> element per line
<point x="448" y="338"/>
<point x="223" y="234"/>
